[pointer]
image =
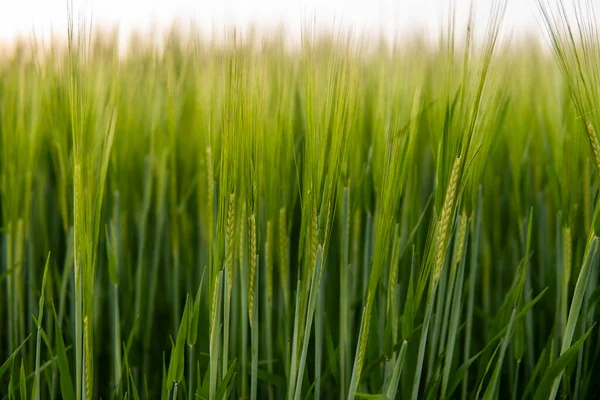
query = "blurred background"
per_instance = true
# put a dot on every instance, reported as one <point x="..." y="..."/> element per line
<point x="392" y="18"/>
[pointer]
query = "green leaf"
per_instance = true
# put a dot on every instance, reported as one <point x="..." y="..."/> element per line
<point x="487" y="369"/>
<point x="408" y="316"/>
<point x="8" y="363"/>
<point x="203" y="391"/>
<point x="111" y="252"/>
<point x="164" y="393"/>
<point x="423" y="344"/>
<point x="66" y="384"/>
<point x="574" y="311"/>
<point x="490" y="392"/>
<point x="537" y="370"/>
<point x="390" y="392"/>
<point x="133" y="387"/>
<point x="176" y="364"/>
<point x="271" y="378"/>
<point x="312" y="302"/>
<point x="460" y="373"/>
<point x="36" y="386"/>
<point x="224" y="386"/>
<point x="594" y="297"/>
<point x="557" y="367"/>
<point x="11" y="383"/>
<point x="22" y="382"/>
<point x="195" y="315"/>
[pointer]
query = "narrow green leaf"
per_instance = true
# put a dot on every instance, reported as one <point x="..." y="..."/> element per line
<point x="36" y="387"/>
<point x="9" y="361"/>
<point x="390" y="392"/>
<point x="408" y="315"/>
<point x="490" y="392"/>
<point x="66" y="384"/>
<point x="22" y="382"/>
<point x="574" y="311"/>
<point x="225" y="384"/>
<point x="195" y="315"/>
<point x="177" y="361"/>
<point x="556" y="369"/>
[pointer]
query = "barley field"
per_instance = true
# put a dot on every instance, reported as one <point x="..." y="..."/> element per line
<point x="346" y="219"/>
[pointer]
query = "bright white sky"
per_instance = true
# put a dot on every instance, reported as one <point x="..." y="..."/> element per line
<point x="22" y="17"/>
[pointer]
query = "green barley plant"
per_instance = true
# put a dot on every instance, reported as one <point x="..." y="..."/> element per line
<point x="351" y="218"/>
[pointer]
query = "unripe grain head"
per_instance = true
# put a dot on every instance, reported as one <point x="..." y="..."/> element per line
<point x="445" y="222"/>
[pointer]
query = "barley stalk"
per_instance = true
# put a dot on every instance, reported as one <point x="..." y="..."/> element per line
<point x="587" y="213"/>
<point x="568" y="254"/>
<point x="283" y="254"/>
<point x="362" y="347"/>
<point x="243" y="265"/>
<point x="242" y="234"/>
<point x="393" y="276"/>
<point x="327" y="225"/>
<point x="210" y="204"/>
<point x="355" y="263"/>
<point x="566" y="276"/>
<point x="77" y="224"/>
<point x="269" y="260"/>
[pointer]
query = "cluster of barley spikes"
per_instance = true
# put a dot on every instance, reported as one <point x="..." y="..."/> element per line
<point x="346" y="219"/>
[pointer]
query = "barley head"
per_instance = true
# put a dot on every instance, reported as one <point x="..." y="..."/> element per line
<point x="314" y="237"/>
<point x="591" y="133"/>
<point x="88" y="359"/>
<point x="253" y="265"/>
<point x="445" y="222"/>
<point x="460" y="238"/>
<point x="213" y="303"/>
<point x="230" y="240"/>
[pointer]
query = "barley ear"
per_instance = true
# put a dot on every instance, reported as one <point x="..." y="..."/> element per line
<point x="591" y="133"/>
<point x="214" y="298"/>
<point x="230" y="240"/>
<point x="460" y="239"/>
<point x="445" y="222"/>
<point x="88" y="359"/>
<point x="253" y="265"/>
<point x="314" y="236"/>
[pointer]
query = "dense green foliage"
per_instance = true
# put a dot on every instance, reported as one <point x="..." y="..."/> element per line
<point x="345" y="220"/>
